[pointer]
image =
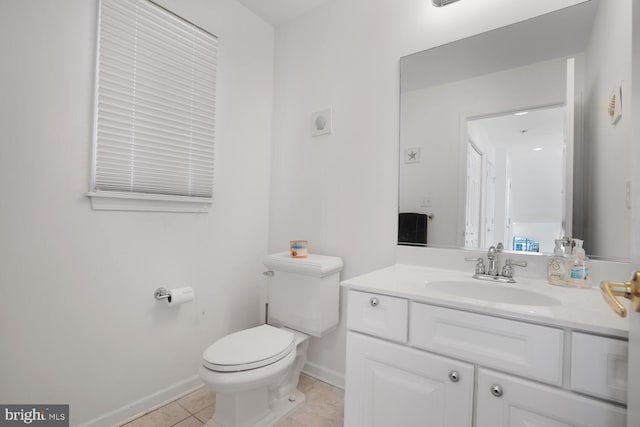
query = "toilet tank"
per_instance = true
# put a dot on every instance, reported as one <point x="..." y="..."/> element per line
<point x="304" y="293"/>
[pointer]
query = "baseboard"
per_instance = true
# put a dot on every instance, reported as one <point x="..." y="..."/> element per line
<point x="147" y="404"/>
<point x="324" y="374"/>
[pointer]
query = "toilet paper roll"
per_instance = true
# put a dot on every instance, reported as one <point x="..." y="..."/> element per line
<point x="180" y="296"/>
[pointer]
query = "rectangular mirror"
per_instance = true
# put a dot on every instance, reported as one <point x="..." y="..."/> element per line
<point x="506" y="136"/>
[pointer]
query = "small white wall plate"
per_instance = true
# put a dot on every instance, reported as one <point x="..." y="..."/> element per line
<point x="321" y="122"/>
<point x="615" y="105"/>
<point x="617" y="111"/>
<point x="412" y="155"/>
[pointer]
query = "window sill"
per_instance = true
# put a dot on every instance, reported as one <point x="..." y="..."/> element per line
<point x="117" y="201"/>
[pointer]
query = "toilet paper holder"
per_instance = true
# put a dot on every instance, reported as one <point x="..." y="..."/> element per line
<point x="162" y="293"/>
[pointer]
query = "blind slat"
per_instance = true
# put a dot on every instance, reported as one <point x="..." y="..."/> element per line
<point x="115" y="155"/>
<point x="169" y="124"/>
<point x="158" y="175"/>
<point x="121" y="156"/>
<point x="154" y="153"/>
<point x="158" y="56"/>
<point x="166" y="110"/>
<point x="117" y="74"/>
<point x="119" y="58"/>
<point x="153" y="14"/>
<point x="155" y="109"/>
<point x="153" y="135"/>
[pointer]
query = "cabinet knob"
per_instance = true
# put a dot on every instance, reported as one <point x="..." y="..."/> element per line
<point x="373" y="301"/>
<point x="496" y="390"/>
<point x="454" y="376"/>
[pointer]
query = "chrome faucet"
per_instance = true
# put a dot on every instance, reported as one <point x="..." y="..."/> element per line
<point x="492" y="256"/>
<point x="493" y="270"/>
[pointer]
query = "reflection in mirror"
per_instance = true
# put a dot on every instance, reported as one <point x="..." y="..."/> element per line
<point x="505" y="136"/>
<point x="515" y="179"/>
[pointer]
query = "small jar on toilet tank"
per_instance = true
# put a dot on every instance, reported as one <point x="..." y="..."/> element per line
<point x="298" y="248"/>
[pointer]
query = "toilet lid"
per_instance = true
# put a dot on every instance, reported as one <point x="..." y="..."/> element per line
<point x="249" y="349"/>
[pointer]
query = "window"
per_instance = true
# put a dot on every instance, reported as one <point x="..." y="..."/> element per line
<point x="155" y="110"/>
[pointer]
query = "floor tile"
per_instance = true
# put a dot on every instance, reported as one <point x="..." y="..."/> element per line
<point x="165" y="416"/>
<point x="206" y="414"/>
<point x="190" y="422"/>
<point x="198" y="400"/>
<point x="305" y="383"/>
<point x="307" y="419"/>
<point x="323" y="407"/>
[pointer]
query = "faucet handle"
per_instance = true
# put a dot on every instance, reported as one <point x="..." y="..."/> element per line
<point x="480" y="269"/>
<point x="507" y="270"/>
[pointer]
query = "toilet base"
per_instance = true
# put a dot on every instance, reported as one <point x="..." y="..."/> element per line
<point x="280" y="408"/>
<point x="283" y="406"/>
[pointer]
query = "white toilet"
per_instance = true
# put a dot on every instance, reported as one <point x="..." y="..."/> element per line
<point x="254" y="372"/>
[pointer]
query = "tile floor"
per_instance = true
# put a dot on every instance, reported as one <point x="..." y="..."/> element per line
<point x="323" y="407"/>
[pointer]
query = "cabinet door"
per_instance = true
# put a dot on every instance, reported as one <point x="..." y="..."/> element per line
<point x="391" y="385"/>
<point x="521" y="403"/>
<point x="599" y="366"/>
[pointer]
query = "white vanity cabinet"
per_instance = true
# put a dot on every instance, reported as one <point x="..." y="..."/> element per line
<point x="416" y="364"/>
<point x="507" y="401"/>
<point x="392" y="385"/>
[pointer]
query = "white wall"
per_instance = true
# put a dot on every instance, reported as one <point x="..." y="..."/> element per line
<point x="433" y="118"/>
<point x="536" y="186"/>
<point x="608" y="219"/>
<point x="536" y="194"/>
<point x="340" y="191"/>
<point x="78" y="321"/>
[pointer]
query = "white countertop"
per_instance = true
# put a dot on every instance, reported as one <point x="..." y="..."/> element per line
<point x="579" y="309"/>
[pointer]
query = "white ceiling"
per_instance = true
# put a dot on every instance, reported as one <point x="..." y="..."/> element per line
<point x="557" y="34"/>
<point x="280" y="11"/>
<point x="543" y="127"/>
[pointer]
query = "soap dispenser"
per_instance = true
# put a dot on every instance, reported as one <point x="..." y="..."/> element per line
<point x="557" y="266"/>
<point x="579" y="267"/>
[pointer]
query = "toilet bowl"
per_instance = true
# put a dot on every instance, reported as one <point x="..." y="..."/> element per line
<point x="254" y="372"/>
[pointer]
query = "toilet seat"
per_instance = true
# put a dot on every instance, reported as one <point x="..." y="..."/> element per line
<point x="249" y="349"/>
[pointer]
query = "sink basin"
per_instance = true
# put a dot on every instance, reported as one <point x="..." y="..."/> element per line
<point x="498" y="293"/>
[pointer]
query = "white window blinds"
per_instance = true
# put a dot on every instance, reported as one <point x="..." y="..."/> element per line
<point x="155" y="105"/>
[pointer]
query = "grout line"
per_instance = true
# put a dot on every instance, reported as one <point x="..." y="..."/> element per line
<point x="190" y="415"/>
<point x="182" y="406"/>
<point x="154" y="408"/>
<point x="204" y="422"/>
